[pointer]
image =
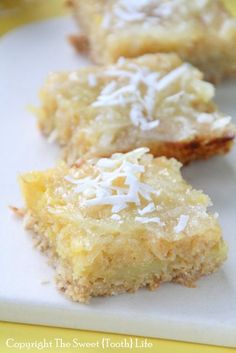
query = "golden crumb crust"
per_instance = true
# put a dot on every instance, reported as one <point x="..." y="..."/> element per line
<point x="197" y="149"/>
<point x="82" y="289"/>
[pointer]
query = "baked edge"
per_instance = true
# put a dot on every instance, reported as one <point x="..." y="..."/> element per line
<point x="184" y="151"/>
<point x="83" y="293"/>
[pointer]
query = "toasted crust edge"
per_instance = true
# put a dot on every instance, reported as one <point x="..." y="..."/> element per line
<point x="74" y="290"/>
<point x="199" y="148"/>
<point x="80" y="43"/>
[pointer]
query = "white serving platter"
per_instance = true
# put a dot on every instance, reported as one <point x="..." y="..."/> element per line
<point x="206" y="314"/>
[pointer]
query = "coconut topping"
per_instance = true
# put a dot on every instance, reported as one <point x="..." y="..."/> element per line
<point x="182" y="223"/>
<point x="118" y="184"/>
<point x="151" y="12"/>
<point x="147" y="97"/>
<point x="122" y="187"/>
<point x="138" y="90"/>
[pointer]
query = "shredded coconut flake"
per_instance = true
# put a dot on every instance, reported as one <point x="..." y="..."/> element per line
<point x="106" y="163"/>
<point x="182" y="223"/>
<point x="128" y="16"/>
<point x="116" y="217"/>
<point x="92" y="80"/>
<point x="145" y="220"/>
<point x="205" y="118"/>
<point x="172" y="76"/>
<point x="148" y="209"/>
<point x="221" y="123"/>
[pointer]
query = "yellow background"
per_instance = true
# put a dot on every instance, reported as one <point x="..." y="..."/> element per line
<point x="12" y="16"/>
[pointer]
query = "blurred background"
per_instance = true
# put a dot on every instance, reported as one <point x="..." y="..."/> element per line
<point x="14" y="13"/>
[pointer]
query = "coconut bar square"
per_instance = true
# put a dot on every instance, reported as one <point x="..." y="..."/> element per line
<point x="113" y="225"/>
<point x="155" y="100"/>
<point x="201" y="31"/>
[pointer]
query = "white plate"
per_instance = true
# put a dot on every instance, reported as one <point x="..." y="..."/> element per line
<point x="206" y="314"/>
